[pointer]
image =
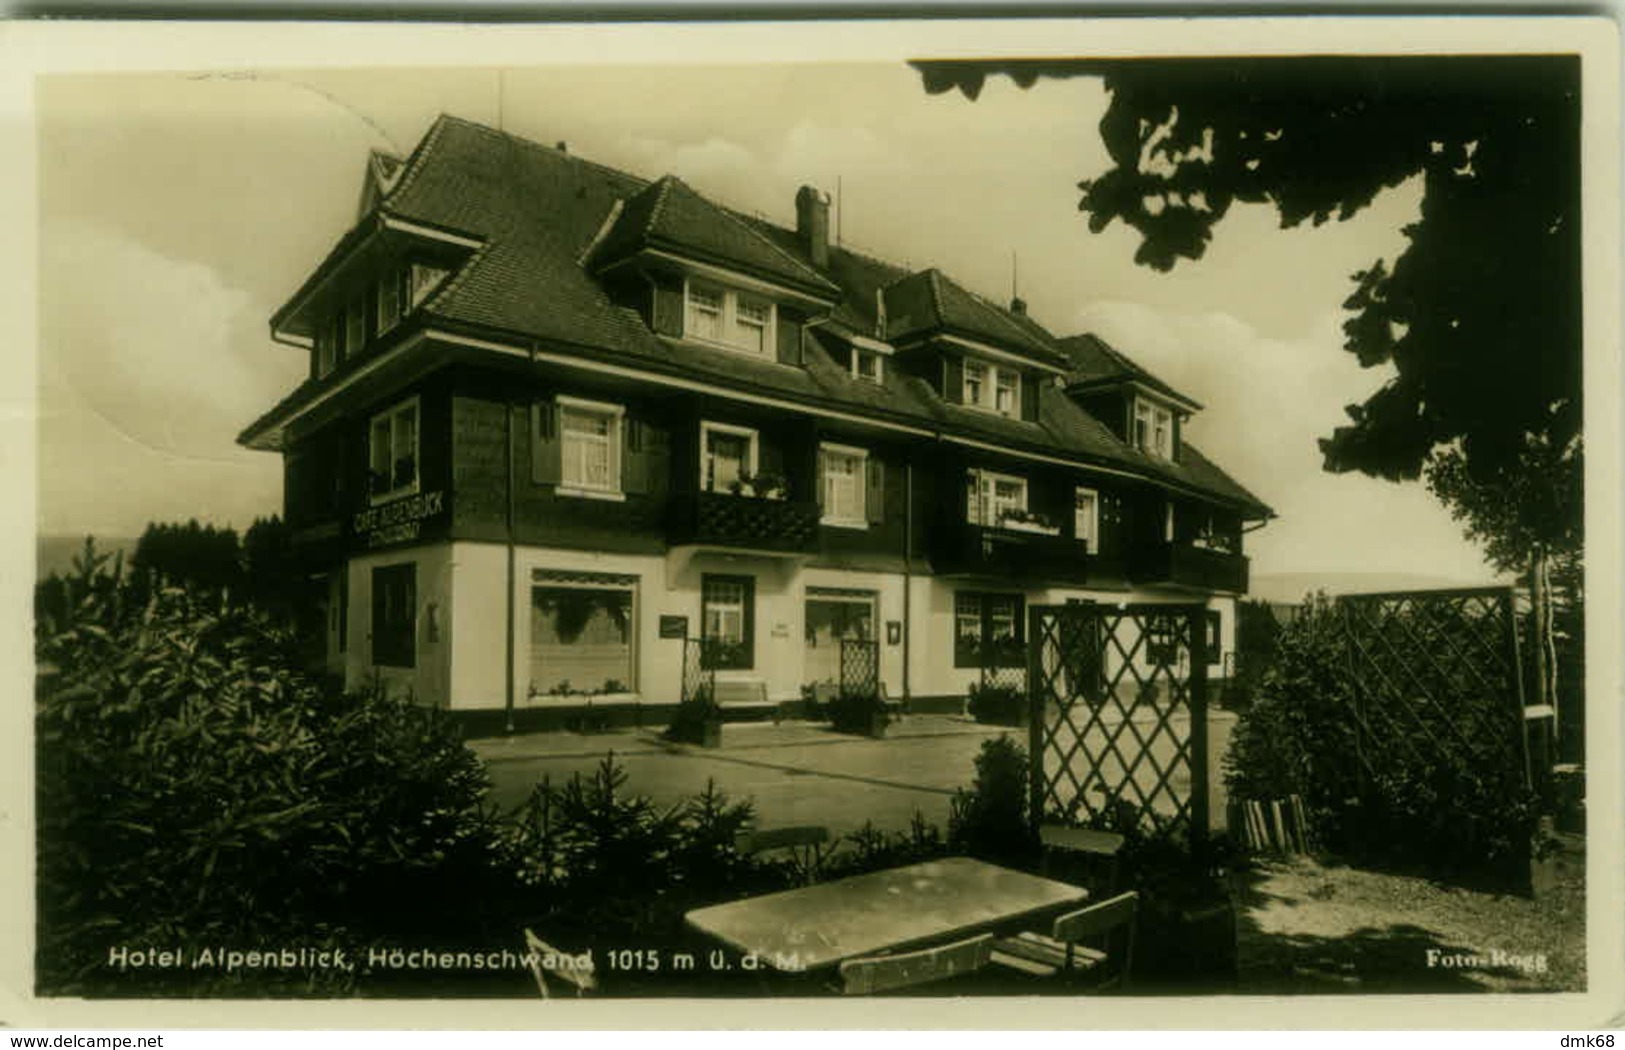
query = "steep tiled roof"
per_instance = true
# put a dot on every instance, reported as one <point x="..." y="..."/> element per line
<point x="669" y="214"/>
<point x="929" y="301"/>
<point x="1096" y="363"/>
<point x="538" y="210"/>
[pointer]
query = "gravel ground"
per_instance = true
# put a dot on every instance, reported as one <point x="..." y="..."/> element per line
<point x="1308" y="928"/>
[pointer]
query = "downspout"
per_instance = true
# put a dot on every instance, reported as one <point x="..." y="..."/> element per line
<point x="908" y="573"/>
<point x="511" y="683"/>
<point x="511" y="516"/>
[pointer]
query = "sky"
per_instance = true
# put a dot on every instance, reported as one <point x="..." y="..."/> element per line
<point x="179" y="211"/>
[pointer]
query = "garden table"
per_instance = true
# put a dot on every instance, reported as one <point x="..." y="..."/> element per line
<point x="818" y="926"/>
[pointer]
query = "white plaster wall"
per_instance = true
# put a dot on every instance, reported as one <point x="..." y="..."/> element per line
<point x="480" y="615"/>
<point x="429" y="681"/>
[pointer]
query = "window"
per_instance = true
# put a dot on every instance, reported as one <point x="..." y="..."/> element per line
<point x="992" y="497"/>
<point x="1168" y="522"/>
<point x="389" y="301"/>
<point x="1007" y="393"/>
<point x="1086" y="517"/>
<point x="845" y="476"/>
<point x="975" y="383"/>
<point x="988" y="630"/>
<point x="866" y="365"/>
<point x="394" y="615"/>
<point x="581" y="635"/>
<point x="1163" y="640"/>
<point x="726" y="629"/>
<point x="392" y="452"/>
<point x="1215" y="636"/>
<point x="705" y="307"/>
<point x="1153" y="428"/>
<point x="355" y="328"/>
<point x="734" y="319"/>
<point x="992" y="388"/>
<point x="327" y="346"/>
<point x="727" y="457"/>
<point x="590" y="446"/>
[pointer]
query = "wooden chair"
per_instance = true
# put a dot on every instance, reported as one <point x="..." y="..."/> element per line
<point x="1079" y="854"/>
<point x="807" y="846"/>
<point x="1063" y="953"/>
<point x="884" y="973"/>
<point x="536" y="950"/>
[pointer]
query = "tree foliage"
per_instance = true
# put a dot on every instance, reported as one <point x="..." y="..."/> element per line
<point x="1480" y="314"/>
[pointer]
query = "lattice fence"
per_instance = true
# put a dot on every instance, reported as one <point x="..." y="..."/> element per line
<point x="1119" y="726"/>
<point x="860" y="667"/>
<point x="1436" y="679"/>
<point x="699" y="679"/>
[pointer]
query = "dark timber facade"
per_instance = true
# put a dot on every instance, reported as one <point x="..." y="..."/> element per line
<point x="558" y="417"/>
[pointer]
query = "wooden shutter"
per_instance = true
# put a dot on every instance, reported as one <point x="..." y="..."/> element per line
<point x="770" y="456"/>
<point x="789" y="337"/>
<point x="634" y="456"/>
<point x="545" y="466"/>
<point x="874" y="500"/>
<point x="953" y="379"/>
<point x="1031" y="384"/>
<point x="666" y="317"/>
<point x="818" y="478"/>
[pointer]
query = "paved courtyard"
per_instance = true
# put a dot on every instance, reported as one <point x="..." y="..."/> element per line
<point x="795" y="772"/>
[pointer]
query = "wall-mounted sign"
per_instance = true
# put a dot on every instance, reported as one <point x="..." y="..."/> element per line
<point x="399" y="521"/>
<point x="674" y="627"/>
<point x="781" y="630"/>
<point x="894" y="632"/>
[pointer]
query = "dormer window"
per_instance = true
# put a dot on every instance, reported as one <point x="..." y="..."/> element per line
<point x="1153" y="429"/>
<point x="730" y="318"/>
<point x="389" y="301"/>
<point x="866" y="365"/>
<point x="992" y="388"/>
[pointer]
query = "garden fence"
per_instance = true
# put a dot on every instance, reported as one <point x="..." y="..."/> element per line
<point x="1118" y="716"/>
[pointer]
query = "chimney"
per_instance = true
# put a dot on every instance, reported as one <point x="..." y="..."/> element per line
<point x="812" y="224"/>
<point x="1018" y="306"/>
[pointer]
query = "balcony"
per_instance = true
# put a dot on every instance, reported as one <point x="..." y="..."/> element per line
<point x="1186" y="565"/>
<point x="964" y="548"/>
<point x="716" y="519"/>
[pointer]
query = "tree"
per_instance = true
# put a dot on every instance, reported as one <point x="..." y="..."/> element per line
<point x="190" y="553"/>
<point x="1480" y="316"/>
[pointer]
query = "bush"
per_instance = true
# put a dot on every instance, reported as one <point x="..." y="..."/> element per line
<point x="858" y="711"/>
<point x="990" y="821"/>
<point x="1000" y="705"/>
<point x="606" y="865"/>
<point x="1421" y="806"/>
<point x="195" y="789"/>
<point x="693" y="716"/>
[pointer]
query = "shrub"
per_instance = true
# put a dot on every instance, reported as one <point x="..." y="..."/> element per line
<point x="195" y="789"/>
<point x="1423" y="804"/>
<point x="688" y="724"/>
<point x="996" y="704"/>
<point x="990" y="820"/>
<point x="857" y="711"/>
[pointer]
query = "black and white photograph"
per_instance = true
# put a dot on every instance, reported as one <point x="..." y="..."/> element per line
<point x="956" y="514"/>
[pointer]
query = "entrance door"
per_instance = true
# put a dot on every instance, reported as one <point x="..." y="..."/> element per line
<point x="834" y="616"/>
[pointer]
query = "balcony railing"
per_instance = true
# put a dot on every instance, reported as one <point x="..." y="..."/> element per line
<point x="1191" y="566"/>
<point x="753" y="522"/>
<point x="983" y="550"/>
